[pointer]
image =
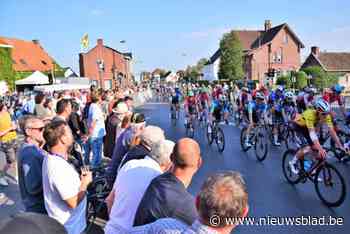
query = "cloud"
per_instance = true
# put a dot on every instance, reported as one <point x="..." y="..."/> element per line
<point x="96" y="12"/>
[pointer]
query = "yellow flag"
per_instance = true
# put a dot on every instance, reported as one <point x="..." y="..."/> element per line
<point x="85" y="41"/>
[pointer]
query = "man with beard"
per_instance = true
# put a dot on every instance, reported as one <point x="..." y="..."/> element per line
<point x="30" y="160"/>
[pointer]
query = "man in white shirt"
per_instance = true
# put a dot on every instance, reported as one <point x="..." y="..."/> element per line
<point x="131" y="183"/>
<point x="64" y="191"/>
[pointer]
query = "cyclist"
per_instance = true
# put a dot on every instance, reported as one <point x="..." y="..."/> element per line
<point x="334" y="95"/>
<point x="190" y="107"/>
<point x="289" y="108"/>
<point x="203" y="102"/>
<point x="305" y="99"/>
<point x="305" y="125"/>
<point x="244" y="98"/>
<point x="275" y="101"/>
<point x="256" y="109"/>
<point x="225" y="107"/>
<point x="175" y="100"/>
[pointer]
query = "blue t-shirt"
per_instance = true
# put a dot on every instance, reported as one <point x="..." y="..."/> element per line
<point x="30" y="161"/>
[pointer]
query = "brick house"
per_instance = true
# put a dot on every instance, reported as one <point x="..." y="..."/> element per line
<point x="331" y="62"/>
<point x="28" y="56"/>
<point x="272" y="48"/>
<point x="105" y="66"/>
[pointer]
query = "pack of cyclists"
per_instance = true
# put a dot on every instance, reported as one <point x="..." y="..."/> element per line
<point x="304" y="112"/>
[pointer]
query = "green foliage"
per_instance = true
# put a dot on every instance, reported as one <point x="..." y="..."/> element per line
<point x="301" y="79"/>
<point x="192" y="73"/>
<point x="6" y="71"/>
<point x="321" y="79"/>
<point x="285" y="80"/>
<point x="231" y="59"/>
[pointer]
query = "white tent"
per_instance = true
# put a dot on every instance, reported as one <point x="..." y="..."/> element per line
<point x="36" y="78"/>
<point x="60" y="87"/>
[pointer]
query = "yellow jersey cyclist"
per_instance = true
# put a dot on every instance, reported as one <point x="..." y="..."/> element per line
<point x="305" y="124"/>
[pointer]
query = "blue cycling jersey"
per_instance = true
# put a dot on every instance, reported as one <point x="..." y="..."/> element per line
<point x="253" y="106"/>
<point x="276" y="101"/>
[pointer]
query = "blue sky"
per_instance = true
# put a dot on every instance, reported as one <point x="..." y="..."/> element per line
<point x="160" y="32"/>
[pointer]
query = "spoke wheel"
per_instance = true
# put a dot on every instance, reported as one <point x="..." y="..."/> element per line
<point x="261" y="146"/>
<point x="242" y="138"/>
<point x="330" y="185"/>
<point x="220" y="140"/>
<point x="210" y="133"/>
<point x="291" y="177"/>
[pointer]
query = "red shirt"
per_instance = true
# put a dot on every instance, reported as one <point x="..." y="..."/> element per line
<point x="332" y="97"/>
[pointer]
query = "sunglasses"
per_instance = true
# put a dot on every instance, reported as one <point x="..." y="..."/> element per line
<point x="40" y="129"/>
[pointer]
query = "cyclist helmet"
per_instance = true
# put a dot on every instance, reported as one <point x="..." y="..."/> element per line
<point x="260" y="96"/>
<point x="322" y="106"/>
<point x="289" y="95"/>
<point x="280" y="88"/>
<point x="338" y="88"/>
<point x="190" y="93"/>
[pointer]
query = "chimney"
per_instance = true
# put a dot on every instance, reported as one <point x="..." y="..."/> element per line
<point x="100" y="42"/>
<point x="36" y="41"/>
<point x="315" y="50"/>
<point x="268" y="25"/>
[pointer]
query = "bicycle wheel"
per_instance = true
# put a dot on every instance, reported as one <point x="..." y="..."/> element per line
<point x="290" y="140"/>
<point x="190" y="130"/>
<point x="210" y="133"/>
<point x="291" y="177"/>
<point x="261" y="146"/>
<point x="330" y="185"/>
<point x="220" y="139"/>
<point x="243" y="138"/>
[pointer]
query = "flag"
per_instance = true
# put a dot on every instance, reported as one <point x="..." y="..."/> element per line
<point x="85" y="41"/>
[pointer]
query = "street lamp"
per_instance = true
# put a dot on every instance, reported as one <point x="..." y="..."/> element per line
<point x="101" y="68"/>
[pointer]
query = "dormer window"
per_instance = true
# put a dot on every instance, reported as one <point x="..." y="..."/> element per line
<point x="23" y="61"/>
<point x="285" y="39"/>
<point x="43" y="62"/>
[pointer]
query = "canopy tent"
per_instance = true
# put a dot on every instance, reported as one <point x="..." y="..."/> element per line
<point x="60" y="87"/>
<point x="36" y="78"/>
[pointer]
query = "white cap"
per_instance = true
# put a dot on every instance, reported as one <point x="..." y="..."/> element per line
<point x="121" y="108"/>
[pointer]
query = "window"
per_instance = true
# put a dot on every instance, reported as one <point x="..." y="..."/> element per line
<point x="14" y="61"/>
<point x="108" y="84"/>
<point x="43" y="62"/>
<point x="23" y="61"/>
<point x="285" y="39"/>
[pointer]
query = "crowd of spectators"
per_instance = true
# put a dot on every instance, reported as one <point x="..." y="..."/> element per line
<point x="148" y="174"/>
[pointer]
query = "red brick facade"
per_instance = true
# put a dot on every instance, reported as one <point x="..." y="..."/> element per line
<point x="115" y="68"/>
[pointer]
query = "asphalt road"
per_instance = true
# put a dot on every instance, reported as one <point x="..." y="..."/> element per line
<point x="269" y="193"/>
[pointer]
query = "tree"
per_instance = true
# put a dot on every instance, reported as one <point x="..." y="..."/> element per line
<point x="320" y="78"/>
<point x="231" y="59"/>
<point x="301" y="79"/>
<point x="6" y="71"/>
<point x="284" y="80"/>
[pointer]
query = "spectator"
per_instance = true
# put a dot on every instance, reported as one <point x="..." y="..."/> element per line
<point x="64" y="109"/>
<point x="96" y="131"/>
<point x="126" y="195"/>
<point x="129" y="102"/>
<point x="222" y="195"/>
<point x="29" y="106"/>
<point x="167" y="196"/>
<point x="31" y="223"/>
<point x="76" y="123"/>
<point x="123" y="112"/>
<point x="30" y="161"/>
<point x="49" y="108"/>
<point x="127" y="138"/>
<point x="113" y="121"/>
<point x="149" y="136"/>
<point x="8" y="141"/>
<point x="39" y="109"/>
<point x="64" y="192"/>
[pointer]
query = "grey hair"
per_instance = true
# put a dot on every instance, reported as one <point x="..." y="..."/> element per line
<point x="223" y="195"/>
<point x="26" y="122"/>
<point x="161" y="151"/>
<point x="152" y="134"/>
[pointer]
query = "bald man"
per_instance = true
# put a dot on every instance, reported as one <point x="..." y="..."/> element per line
<point x="167" y="194"/>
